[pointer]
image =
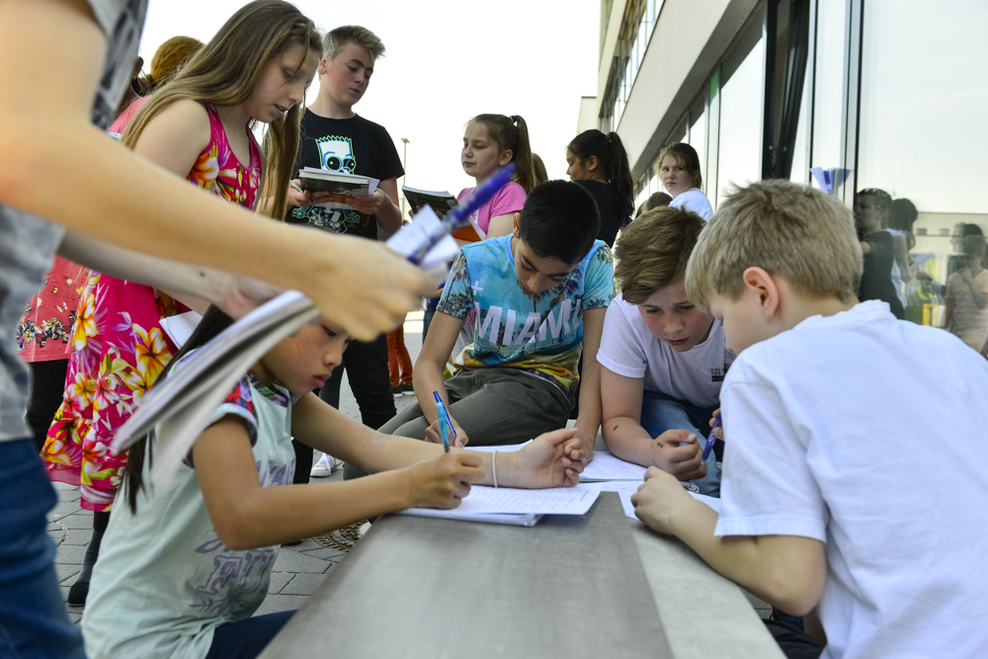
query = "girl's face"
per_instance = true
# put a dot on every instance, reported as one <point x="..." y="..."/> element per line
<point x="305" y="361"/>
<point x="672" y="318"/>
<point x="676" y="179"/>
<point x="480" y="157"/>
<point x="345" y="78"/>
<point x="282" y="84"/>
<point x="577" y="169"/>
<point x="868" y="217"/>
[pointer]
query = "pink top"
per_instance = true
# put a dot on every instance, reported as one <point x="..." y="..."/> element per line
<point x="508" y="199"/>
<point x="119" y="125"/>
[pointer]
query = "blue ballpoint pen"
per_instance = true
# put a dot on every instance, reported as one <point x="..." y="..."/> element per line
<point x="710" y="440"/>
<point x="460" y="215"/>
<point x="444" y="422"/>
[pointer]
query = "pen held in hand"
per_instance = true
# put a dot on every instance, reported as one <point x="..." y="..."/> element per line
<point x="710" y="440"/>
<point x="445" y="422"/>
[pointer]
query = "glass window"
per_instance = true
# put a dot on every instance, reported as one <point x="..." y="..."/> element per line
<point x="697" y="137"/>
<point x="828" y="93"/>
<point x="740" y="142"/>
<point x="924" y="106"/>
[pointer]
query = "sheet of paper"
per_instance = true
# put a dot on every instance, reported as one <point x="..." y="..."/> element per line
<point x="624" y="491"/>
<point x="553" y="501"/>
<point x="487" y="518"/>
<point x="181" y="326"/>
<point x="605" y="466"/>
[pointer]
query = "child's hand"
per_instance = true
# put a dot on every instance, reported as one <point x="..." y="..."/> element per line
<point x="719" y="430"/>
<point x="657" y="499"/>
<point x="678" y="453"/>
<point x="367" y="204"/>
<point x="433" y="435"/>
<point x="553" y="459"/>
<point x="586" y="444"/>
<point x="443" y="482"/>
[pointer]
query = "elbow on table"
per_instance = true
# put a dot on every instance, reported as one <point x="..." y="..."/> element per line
<point x="794" y="593"/>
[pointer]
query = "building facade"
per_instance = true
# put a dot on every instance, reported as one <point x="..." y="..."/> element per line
<point x="878" y="93"/>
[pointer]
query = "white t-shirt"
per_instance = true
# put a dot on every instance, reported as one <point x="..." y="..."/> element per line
<point x="693" y="200"/>
<point x="871" y="435"/>
<point x="628" y="348"/>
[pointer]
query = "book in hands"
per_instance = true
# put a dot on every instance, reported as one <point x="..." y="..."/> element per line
<point x="441" y="202"/>
<point x="340" y="185"/>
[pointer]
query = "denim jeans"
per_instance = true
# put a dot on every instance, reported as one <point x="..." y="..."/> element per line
<point x="245" y="639"/>
<point x="661" y="413"/>
<point x="33" y="619"/>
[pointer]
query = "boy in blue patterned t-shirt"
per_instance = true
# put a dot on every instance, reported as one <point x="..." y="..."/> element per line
<point x="539" y="296"/>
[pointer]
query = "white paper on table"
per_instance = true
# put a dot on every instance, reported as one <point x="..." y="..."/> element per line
<point x="487" y="518"/>
<point x="180" y="326"/>
<point x="552" y="501"/>
<point x="605" y="466"/>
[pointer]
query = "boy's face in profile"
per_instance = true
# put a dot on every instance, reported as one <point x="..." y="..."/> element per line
<point x="672" y="318"/>
<point x="345" y="78"/>
<point x="537" y="274"/>
<point x="743" y="322"/>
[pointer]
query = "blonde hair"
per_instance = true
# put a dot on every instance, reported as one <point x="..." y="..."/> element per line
<point x="339" y="38"/>
<point x="225" y="72"/>
<point x="793" y="231"/>
<point x="168" y="59"/>
<point x="653" y="251"/>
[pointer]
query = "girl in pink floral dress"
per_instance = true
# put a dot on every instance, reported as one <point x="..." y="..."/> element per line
<point x="198" y="126"/>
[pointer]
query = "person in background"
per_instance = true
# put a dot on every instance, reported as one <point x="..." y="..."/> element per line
<point x="337" y="139"/>
<point x="538" y="169"/>
<point x="599" y="163"/>
<point x="967" y="296"/>
<point x="679" y="170"/>
<point x="871" y="207"/>
<point x="655" y="200"/>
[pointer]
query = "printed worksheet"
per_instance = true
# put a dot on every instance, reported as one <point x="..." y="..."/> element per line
<point x="605" y="466"/>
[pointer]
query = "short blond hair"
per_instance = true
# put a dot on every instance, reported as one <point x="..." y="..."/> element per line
<point x="793" y="231"/>
<point x="339" y="38"/>
<point x="653" y="251"/>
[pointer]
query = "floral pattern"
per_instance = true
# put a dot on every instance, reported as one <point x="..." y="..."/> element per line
<point x="45" y="329"/>
<point x="119" y="347"/>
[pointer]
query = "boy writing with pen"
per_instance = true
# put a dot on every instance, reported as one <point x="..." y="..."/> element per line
<point x="817" y="512"/>
<point x="540" y="294"/>
<point x="662" y="359"/>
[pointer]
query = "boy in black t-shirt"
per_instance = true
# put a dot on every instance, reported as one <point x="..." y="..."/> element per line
<point x="337" y="139"/>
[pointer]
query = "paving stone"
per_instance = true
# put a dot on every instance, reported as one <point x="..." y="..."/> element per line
<point x="77" y="536"/>
<point x="306" y="545"/>
<point x="276" y="603"/>
<point x="278" y="581"/>
<point x="63" y="509"/>
<point x="327" y="554"/>
<point x="303" y="584"/>
<point x="292" y="561"/>
<point x="58" y="485"/>
<point x="69" y="495"/>
<point x="70" y="554"/>
<point x="67" y="571"/>
<point x="76" y="521"/>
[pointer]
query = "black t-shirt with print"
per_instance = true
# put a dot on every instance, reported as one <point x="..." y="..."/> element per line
<point x="354" y="145"/>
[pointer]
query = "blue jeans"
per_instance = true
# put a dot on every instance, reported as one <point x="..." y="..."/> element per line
<point x="245" y="639"/>
<point x="661" y="413"/>
<point x="33" y="619"/>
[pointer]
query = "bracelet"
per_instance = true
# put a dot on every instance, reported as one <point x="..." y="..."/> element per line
<point x="494" y="467"/>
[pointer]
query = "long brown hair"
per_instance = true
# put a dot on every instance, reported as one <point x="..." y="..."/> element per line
<point x="512" y="133"/>
<point x="226" y="71"/>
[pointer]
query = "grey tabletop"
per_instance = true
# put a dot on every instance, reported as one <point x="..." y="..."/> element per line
<point x="599" y="585"/>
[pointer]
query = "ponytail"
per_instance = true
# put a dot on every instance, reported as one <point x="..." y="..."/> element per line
<point x="511" y="133"/>
<point x="610" y="153"/>
<point x="211" y="325"/>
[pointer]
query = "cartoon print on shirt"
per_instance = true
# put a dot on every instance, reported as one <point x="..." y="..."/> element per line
<point x="335" y="155"/>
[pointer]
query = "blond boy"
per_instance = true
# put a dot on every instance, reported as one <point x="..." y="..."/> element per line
<point x="844" y="429"/>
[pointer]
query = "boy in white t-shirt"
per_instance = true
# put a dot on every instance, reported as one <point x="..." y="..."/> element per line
<point x="662" y="358"/>
<point x="817" y="511"/>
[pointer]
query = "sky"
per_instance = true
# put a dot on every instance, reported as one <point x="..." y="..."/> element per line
<point x="446" y="61"/>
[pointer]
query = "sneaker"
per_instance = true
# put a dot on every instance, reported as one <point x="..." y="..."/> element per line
<point x="405" y="388"/>
<point x="327" y="465"/>
<point x="396" y="391"/>
<point x="78" y="593"/>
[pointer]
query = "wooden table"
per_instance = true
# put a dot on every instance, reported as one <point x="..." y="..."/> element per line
<point x="600" y="585"/>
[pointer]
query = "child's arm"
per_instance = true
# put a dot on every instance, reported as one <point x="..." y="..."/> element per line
<point x="106" y="191"/>
<point x="901" y="250"/>
<point x="427" y="376"/>
<point x="501" y="225"/>
<point x="626" y="438"/>
<point x="784" y="570"/>
<point x="588" y="420"/>
<point x="247" y="515"/>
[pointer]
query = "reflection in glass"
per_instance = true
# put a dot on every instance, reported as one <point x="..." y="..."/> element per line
<point x="740" y="148"/>
<point x="828" y="92"/>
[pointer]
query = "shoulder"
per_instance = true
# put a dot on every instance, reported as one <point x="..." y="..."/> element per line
<point x="369" y="125"/>
<point x="191" y="117"/>
<point x="599" y="255"/>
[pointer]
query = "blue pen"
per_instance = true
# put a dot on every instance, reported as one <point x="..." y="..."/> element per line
<point x="710" y="440"/>
<point x="460" y="216"/>
<point x="444" y="422"/>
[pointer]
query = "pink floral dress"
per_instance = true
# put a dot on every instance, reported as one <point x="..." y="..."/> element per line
<point x="120" y="347"/>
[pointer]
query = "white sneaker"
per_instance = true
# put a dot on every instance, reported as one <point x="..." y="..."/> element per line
<point x="327" y="465"/>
